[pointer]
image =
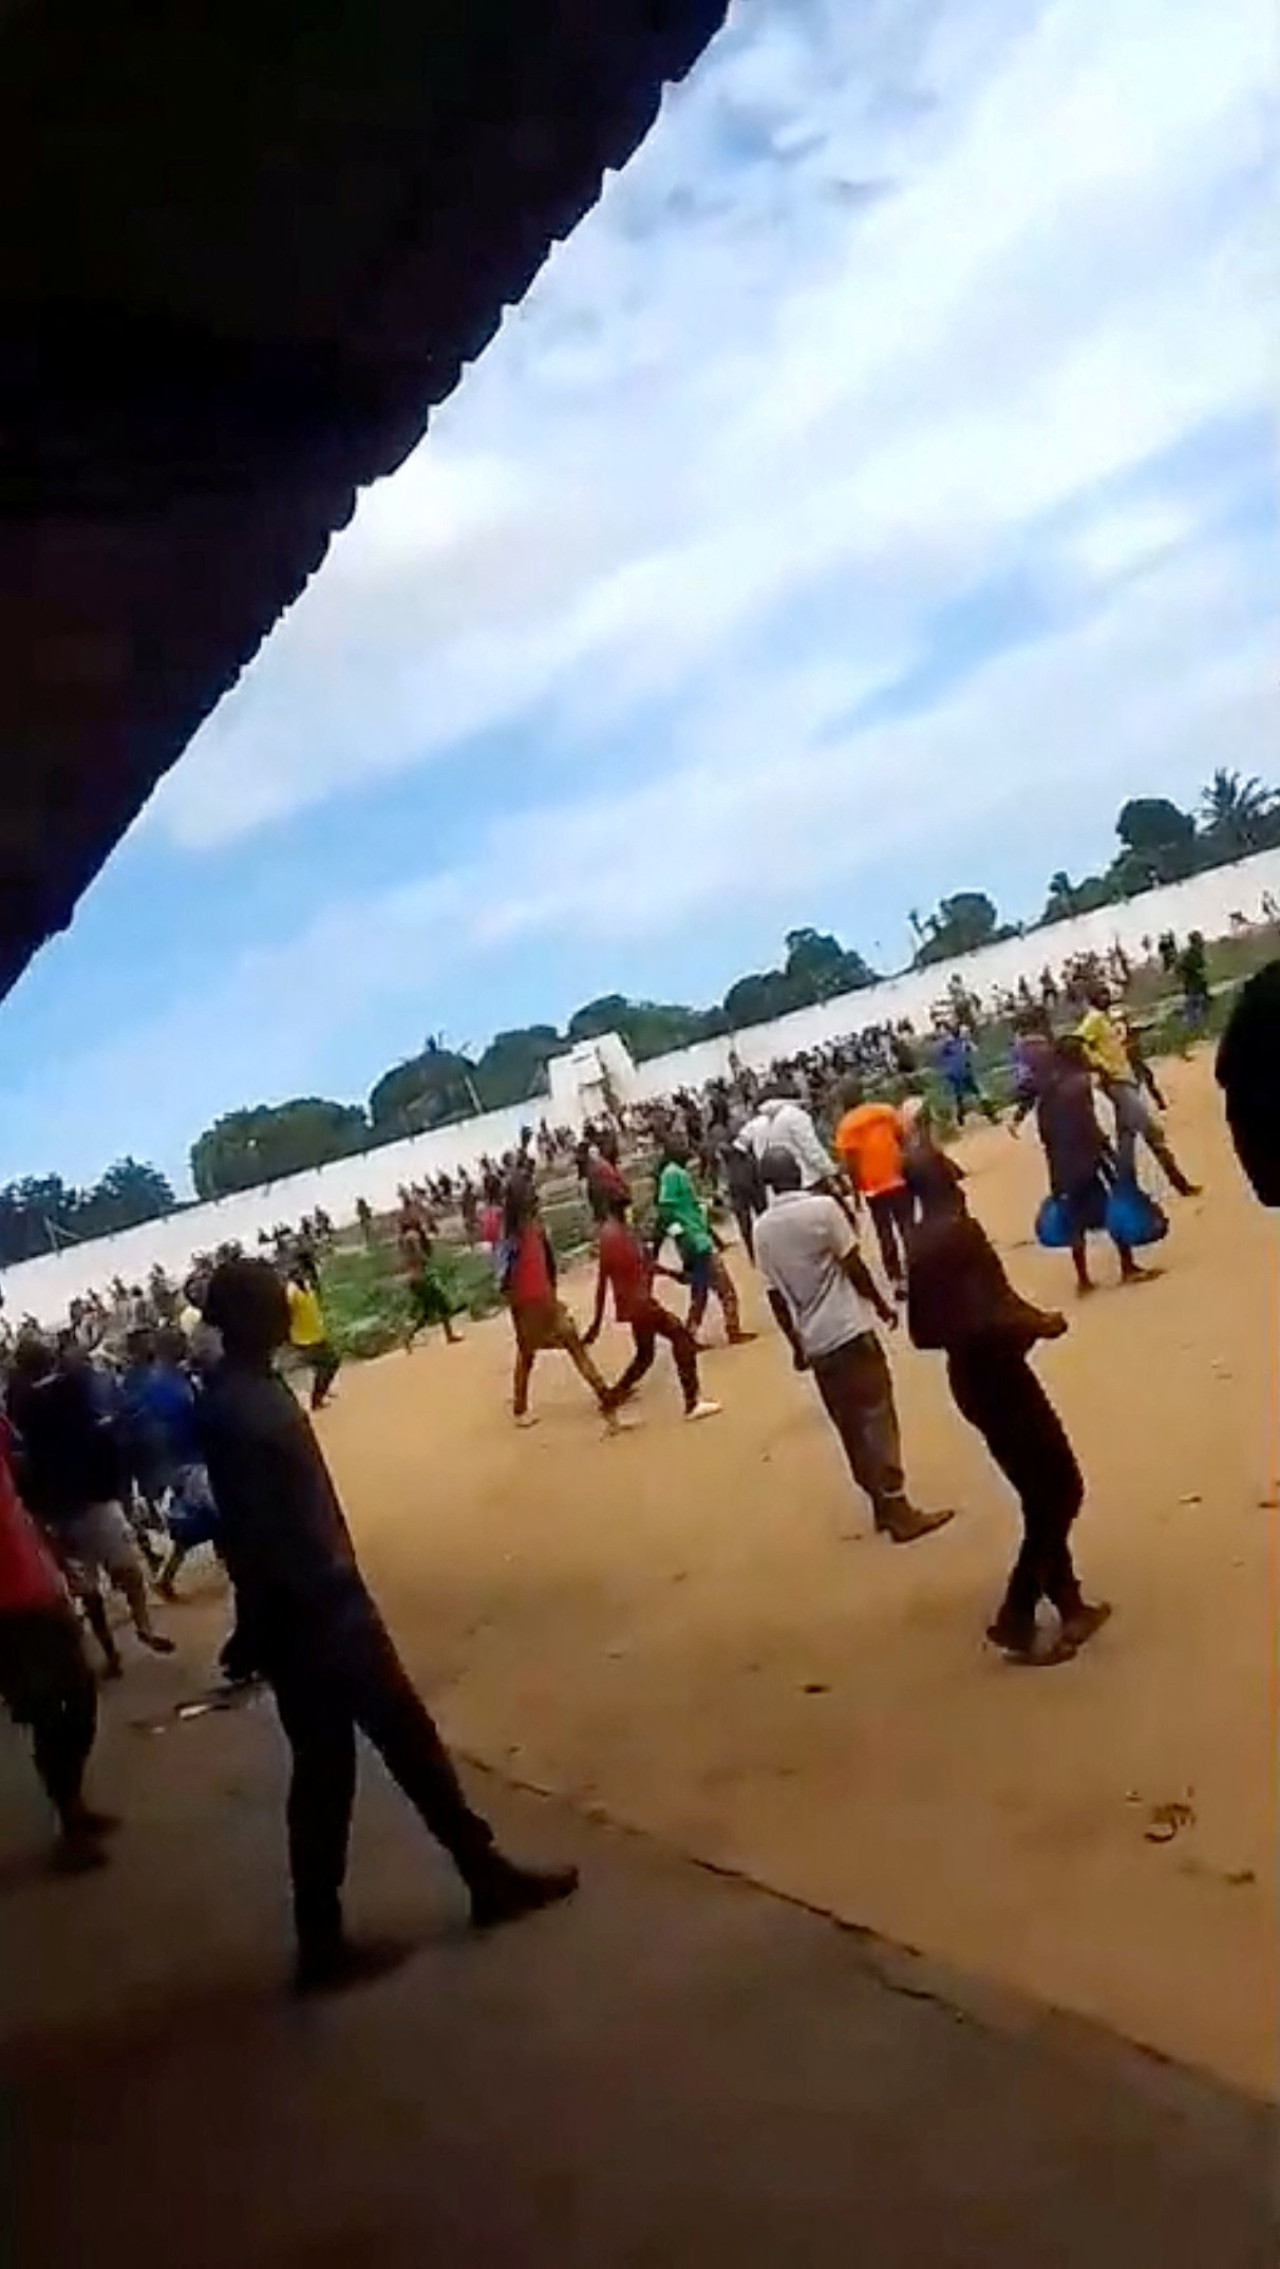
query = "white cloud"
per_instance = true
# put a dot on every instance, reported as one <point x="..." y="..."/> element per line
<point x="767" y="792"/>
<point x="740" y="375"/>
<point x="899" y="302"/>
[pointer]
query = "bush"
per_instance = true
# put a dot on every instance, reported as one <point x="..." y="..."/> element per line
<point x="366" y="1300"/>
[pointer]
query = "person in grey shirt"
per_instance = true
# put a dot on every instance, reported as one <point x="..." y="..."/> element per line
<point x="827" y="1304"/>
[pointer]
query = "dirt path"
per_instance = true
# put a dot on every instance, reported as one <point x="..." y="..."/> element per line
<point x="673" y="2070"/>
<point x="690" y="1630"/>
<point x="693" y="1630"/>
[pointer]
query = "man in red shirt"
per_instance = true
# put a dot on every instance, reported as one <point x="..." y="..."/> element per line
<point x="45" y="1682"/>
<point x="539" y="1316"/>
<point x="627" y="1269"/>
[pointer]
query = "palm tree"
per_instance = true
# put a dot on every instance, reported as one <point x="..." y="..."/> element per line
<point x="1233" y="811"/>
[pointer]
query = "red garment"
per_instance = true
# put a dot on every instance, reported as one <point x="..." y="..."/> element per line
<point x="531" y="1282"/>
<point x="29" y="1578"/>
<point x="625" y="1266"/>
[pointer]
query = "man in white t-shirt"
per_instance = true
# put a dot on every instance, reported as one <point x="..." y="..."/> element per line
<point x="827" y="1303"/>
<point x="782" y="1123"/>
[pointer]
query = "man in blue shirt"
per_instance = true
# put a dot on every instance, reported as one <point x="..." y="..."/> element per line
<point x="954" y="1058"/>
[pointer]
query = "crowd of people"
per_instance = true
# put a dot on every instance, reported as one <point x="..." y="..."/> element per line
<point x="159" y="1421"/>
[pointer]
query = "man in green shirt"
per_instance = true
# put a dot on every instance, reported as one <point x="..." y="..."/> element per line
<point x="681" y="1214"/>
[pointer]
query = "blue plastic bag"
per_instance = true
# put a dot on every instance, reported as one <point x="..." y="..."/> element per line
<point x="1054" y="1226"/>
<point x="1133" y="1218"/>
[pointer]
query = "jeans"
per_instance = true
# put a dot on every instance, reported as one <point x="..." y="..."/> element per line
<point x="707" y="1273"/>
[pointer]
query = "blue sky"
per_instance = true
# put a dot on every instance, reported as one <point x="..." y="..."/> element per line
<point x="876" y="489"/>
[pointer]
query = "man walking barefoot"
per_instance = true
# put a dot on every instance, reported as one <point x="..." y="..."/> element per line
<point x="826" y="1302"/>
<point x="318" y="1639"/>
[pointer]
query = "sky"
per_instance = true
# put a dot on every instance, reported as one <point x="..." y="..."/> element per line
<point x="875" y="490"/>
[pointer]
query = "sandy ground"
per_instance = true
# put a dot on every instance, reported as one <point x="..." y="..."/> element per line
<point x="673" y="2070"/>
<point x="693" y="1630"/>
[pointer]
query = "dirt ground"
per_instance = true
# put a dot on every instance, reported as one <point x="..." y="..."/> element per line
<point x="692" y="1631"/>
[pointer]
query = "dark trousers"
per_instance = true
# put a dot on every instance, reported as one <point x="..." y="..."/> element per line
<point x="966" y="1091"/>
<point x="856" y="1387"/>
<point x="890" y="1212"/>
<point x="996" y="1389"/>
<point x="357" y="1683"/>
<point x="652" y="1324"/>
<point x="62" y="1737"/>
<point x="1147" y="1078"/>
<point x="324" y="1363"/>
<point x="47" y="1685"/>
<point x="746" y="1213"/>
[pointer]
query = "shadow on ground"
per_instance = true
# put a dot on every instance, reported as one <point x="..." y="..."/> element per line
<point x="677" y="2069"/>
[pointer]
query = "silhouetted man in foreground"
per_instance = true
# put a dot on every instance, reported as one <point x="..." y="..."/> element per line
<point x="315" y="1634"/>
<point x="1249" y="1076"/>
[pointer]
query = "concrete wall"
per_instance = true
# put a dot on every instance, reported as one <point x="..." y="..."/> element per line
<point x="44" y="1287"/>
<point x="1207" y="902"/>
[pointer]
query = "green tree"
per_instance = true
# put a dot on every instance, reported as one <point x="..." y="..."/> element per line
<point x="607" y="1014"/>
<point x="649" y="1028"/>
<point x="513" y="1068"/>
<point x="36" y="1216"/>
<point x="42" y="1212"/>
<point x="757" y="999"/>
<point x="1158" y="844"/>
<point x="1061" y="902"/>
<point x="244" y="1148"/>
<point x="128" y="1193"/>
<point x="819" y="967"/>
<point x="963" y="923"/>
<point x="427" y="1090"/>
<point x="1234" y="813"/>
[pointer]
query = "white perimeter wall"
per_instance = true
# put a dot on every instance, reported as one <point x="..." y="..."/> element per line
<point x="43" y="1288"/>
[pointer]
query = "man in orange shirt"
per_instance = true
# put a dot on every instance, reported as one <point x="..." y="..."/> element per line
<point x="869" y="1144"/>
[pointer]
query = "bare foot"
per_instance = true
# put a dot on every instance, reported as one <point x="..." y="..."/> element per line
<point x="1137" y="1275"/>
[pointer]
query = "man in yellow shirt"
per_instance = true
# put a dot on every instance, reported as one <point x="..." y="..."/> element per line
<point x="1107" y="1048"/>
<point x="308" y="1334"/>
